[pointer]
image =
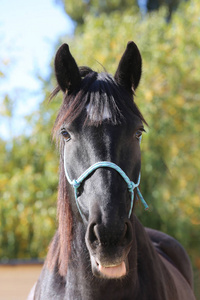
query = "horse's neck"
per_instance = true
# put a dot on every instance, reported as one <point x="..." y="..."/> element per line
<point x="78" y="265"/>
<point x="152" y="273"/>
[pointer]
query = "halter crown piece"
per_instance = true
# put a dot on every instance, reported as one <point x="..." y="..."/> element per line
<point x="105" y="164"/>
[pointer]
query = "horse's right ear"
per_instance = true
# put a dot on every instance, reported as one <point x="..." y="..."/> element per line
<point x="66" y="70"/>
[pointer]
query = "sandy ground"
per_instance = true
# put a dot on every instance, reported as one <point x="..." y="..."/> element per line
<point x="17" y="281"/>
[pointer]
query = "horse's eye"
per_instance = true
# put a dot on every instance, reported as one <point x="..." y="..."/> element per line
<point x="138" y="134"/>
<point x="66" y="135"/>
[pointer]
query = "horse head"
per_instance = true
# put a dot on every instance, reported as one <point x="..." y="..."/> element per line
<point x="100" y="128"/>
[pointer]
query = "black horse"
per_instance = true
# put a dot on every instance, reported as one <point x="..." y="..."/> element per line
<point x="101" y="250"/>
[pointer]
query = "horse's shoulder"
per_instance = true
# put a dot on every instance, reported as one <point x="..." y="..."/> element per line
<point x="173" y="251"/>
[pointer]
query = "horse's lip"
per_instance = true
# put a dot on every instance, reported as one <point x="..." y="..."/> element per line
<point x="109" y="270"/>
<point x="112" y="271"/>
<point x="108" y="265"/>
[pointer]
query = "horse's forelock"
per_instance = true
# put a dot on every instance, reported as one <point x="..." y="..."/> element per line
<point x="98" y="92"/>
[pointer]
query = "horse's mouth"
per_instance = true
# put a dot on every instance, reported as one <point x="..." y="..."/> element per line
<point x="109" y="271"/>
<point x="113" y="271"/>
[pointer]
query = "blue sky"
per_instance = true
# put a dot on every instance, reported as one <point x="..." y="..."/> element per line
<point x="29" y="30"/>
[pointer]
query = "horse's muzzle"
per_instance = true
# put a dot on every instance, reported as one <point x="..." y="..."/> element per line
<point x="109" y="248"/>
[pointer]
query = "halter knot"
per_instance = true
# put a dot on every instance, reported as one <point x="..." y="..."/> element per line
<point x="76" y="184"/>
<point x="131" y="186"/>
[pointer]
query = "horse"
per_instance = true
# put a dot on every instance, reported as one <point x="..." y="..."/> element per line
<point x="100" y="249"/>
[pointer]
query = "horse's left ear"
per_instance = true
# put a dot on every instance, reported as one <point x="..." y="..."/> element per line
<point x="66" y="69"/>
<point x="129" y="71"/>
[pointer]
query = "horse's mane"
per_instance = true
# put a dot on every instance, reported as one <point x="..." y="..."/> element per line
<point x="119" y="104"/>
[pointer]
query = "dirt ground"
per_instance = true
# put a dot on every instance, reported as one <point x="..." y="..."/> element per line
<point x="17" y="281"/>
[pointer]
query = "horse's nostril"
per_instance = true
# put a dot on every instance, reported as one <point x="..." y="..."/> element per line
<point x="128" y="233"/>
<point x="125" y="231"/>
<point x="92" y="233"/>
<point x="99" y="235"/>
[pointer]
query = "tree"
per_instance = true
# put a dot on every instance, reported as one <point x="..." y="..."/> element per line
<point x="95" y="8"/>
<point x="171" y="5"/>
<point x="28" y="191"/>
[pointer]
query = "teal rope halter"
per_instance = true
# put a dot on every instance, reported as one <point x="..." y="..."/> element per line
<point x="105" y="164"/>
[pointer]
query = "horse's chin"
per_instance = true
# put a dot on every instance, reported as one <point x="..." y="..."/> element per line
<point x="109" y="271"/>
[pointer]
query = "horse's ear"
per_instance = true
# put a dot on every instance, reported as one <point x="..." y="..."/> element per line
<point x="66" y="70"/>
<point x="129" y="71"/>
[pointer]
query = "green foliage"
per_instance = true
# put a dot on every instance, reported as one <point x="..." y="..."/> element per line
<point x="156" y="4"/>
<point x="95" y="8"/>
<point x="6" y="109"/>
<point x="28" y="190"/>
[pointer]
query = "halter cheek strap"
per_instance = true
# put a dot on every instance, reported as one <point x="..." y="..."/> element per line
<point x="105" y="164"/>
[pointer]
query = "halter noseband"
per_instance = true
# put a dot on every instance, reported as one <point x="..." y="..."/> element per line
<point x="105" y="164"/>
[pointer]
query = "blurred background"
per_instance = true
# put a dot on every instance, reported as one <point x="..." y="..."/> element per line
<point x="167" y="33"/>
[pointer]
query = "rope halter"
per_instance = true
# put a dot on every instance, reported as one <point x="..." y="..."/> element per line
<point x="105" y="164"/>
